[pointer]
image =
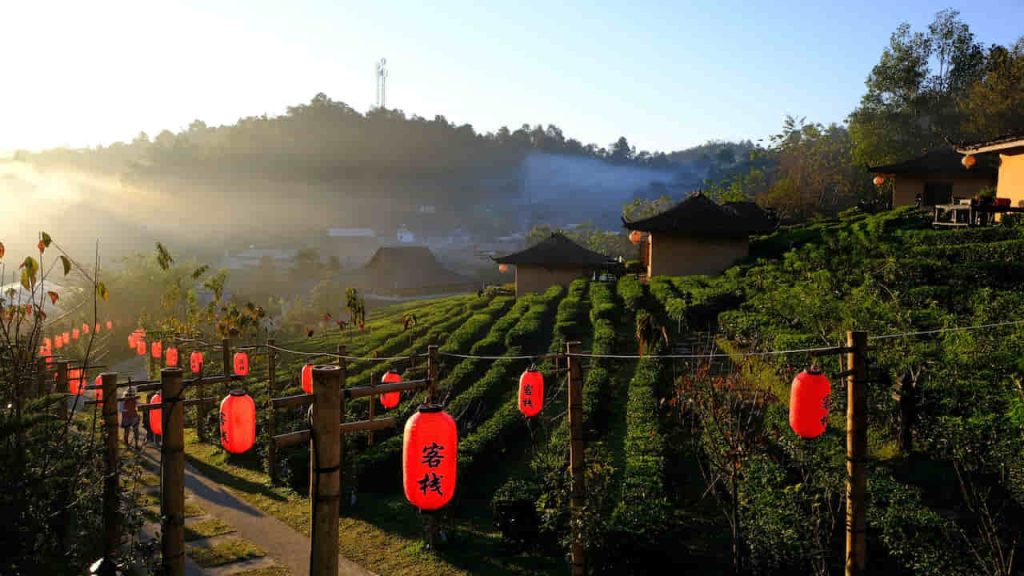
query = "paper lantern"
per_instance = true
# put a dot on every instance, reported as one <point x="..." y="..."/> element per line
<point x="237" y="422"/>
<point x="99" y="391"/>
<point x="172" y="356"/>
<point x="96" y="328"/>
<point x="195" y="362"/>
<point x="531" y="392"/>
<point x="241" y="362"/>
<point x="85" y="328"/>
<point x="502" y="268"/>
<point x="47" y="343"/>
<point x="74" y="333"/>
<point x="430" y="451"/>
<point x="635" y="236"/>
<point x="156" y="423"/>
<point x="58" y="342"/>
<point x="110" y="325"/>
<point x="156" y="349"/>
<point x="809" y="403"/>
<point x="968" y="161"/>
<point x="76" y="381"/>
<point x="879" y="180"/>
<point x="307" y="378"/>
<point x="140" y="347"/>
<point x="390" y="399"/>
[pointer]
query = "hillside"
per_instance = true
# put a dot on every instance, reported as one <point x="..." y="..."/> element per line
<point x="653" y="425"/>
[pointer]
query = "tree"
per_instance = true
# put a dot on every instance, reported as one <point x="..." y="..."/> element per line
<point x="910" y="106"/>
<point x="994" y="104"/>
<point x="621" y="152"/>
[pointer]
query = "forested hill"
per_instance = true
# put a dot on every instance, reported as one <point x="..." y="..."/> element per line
<point x="338" y="167"/>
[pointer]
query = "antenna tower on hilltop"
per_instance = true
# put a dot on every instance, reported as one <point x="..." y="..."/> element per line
<point x="381" y="78"/>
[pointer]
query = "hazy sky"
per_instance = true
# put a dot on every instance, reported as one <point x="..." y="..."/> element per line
<point x="666" y="75"/>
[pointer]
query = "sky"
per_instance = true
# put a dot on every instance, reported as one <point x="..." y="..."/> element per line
<point x="667" y="75"/>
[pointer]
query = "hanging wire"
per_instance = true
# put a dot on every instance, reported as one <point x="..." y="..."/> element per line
<point x="943" y="330"/>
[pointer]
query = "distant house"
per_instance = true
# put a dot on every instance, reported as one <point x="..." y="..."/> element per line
<point x="408" y="271"/>
<point x="556" y="260"/>
<point x="1011" y="165"/>
<point x="699" y="236"/>
<point x="936" y="178"/>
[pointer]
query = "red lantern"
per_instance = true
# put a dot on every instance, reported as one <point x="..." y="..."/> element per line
<point x="237" y="422"/>
<point x="531" y="392"/>
<point x="430" y="451"/>
<point x="968" y="161"/>
<point x="502" y="268"/>
<point x="635" y="236"/>
<point x="140" y="347"/>
<point x="307" y="378"/>
<point x="85" y="328"/>
<point x="156" y="349"/>
<point x="242" y="363"/>
<point x="131" y="340"/>
<point x="110" y="325"/>
<point x="99" y="391"/>
<point x="879" y="180"/>
<point x="74" y="334"/>
<point x="96" y="328"/>
<point x="76" y="381"/>
<point x="66" y="336"/>
<point x="58" y="342"/>
<point x="195" y="362"/>
<point x="390" y="399"/>
<point x="172" y="356"/>
<point x="156" y="423"/>
<point x="47" y="343"/>
<point x="809" y="403"/>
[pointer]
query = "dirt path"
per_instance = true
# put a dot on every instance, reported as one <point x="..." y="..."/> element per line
<point x="283" y="545"/>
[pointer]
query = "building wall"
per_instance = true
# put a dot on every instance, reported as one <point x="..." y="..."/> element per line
<point x="1011" y="178"/>
<point x="538" y="279"/>
<point x="906" y="188"/>
<point x="683" y="256"/>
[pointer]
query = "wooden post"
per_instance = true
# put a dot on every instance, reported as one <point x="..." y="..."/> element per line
<point x="343" y="366"/>
<point x="271" y="413"/>
<point x="42" y="384"/>
<point x="856" y="453"/>
<point x="432" y="373"/>
<point x="325" y="470"/>
<point x="62" y="387"/>
<point x="576" y="456"/>
<point x="433" y="518"/>
<point x="172" y="473"/>
<point x="111" y="527"/>
<point x="373" y="401"/>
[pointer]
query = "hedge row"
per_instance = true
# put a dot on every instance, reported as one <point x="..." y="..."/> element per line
<point x="494" y="342"/>
<point x="631" y="292"/>
<point x="665" y="292"/>
<point x="507" y="419"/>
<point x="643" y="509"/>
<point x="523" y="334"/>
<point x="597" y="381"/>
<point x="473" y="329"/>
<point x="1007" y="251"/>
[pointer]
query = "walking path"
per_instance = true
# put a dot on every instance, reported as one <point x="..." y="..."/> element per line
<point x="283" y="545"/>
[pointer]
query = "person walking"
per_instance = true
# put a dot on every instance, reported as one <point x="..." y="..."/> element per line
<point x="146" y="425"/>
<point x="130" y="417"/>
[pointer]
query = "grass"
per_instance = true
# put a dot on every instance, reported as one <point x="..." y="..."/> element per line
<point x="268" y="571"/>
<point x="226" y="552"/>
<point x="206" y="529"/>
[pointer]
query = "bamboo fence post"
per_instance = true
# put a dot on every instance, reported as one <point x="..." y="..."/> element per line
<point x="172" y="473"/>
<point x="62" y="387"/>
<point x="111" y="527"/>
<point x="856" y="453"/>
<point x="271" y="413"/>
<point x="576" y="456"/>
<point x="325" y="470"/>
